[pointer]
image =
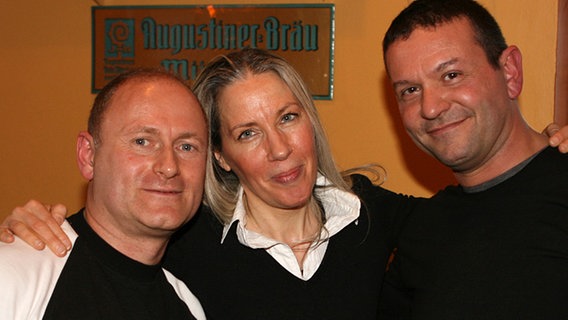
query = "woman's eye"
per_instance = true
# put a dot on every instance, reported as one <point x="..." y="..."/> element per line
<point x="186" y="147"/>
<point x="289" y="117"/>
<point x="245" y="134"/>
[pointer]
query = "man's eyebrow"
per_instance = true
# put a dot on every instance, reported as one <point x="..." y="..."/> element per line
<point x="188" y="134"/>
<point x="156" y="131"/>
<point x="445" y="64"/>
<point x="149" y="130"/>
<point x="400" y="83"/>
<point x="141" y="129"/>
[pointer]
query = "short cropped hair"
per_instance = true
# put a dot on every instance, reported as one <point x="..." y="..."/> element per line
<point x="431" y="13"/>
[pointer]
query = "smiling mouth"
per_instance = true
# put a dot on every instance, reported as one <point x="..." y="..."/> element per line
<point x="164" y="192"/>
<point x="288" y="176"/>
<point x="440" y="129"/>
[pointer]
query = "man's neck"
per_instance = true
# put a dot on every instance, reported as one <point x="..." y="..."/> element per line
<point x="148" y="249"/>
<point x="513" y="152"/>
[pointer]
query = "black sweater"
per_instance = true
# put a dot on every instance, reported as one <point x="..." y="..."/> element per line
<point x="233" y="281"/>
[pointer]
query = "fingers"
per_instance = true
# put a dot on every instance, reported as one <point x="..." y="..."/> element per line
<point x="26" y="234"/>
<point x="551" y="129"/>
<point x="6" y="235"/>
<point x="558" y="137"/>
<point x="563" y="146"/>
<point x="36" y="226"/>
<point x="554" y="135"/>
<point x="20" y="223"/>
<point x="58" y="213"/>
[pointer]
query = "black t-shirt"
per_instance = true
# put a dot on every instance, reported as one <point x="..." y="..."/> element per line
<point x="98" y="282"/>
<point x="501" y="253"/>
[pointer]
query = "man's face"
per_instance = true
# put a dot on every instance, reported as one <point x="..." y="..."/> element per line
<point x="453" y="103"/>
<point x="149" y="167"/>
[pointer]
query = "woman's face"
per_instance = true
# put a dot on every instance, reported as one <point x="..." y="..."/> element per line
<point x="268" y="142"/>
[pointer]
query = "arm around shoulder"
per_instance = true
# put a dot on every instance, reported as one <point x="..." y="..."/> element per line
<point x="28" y="278"/>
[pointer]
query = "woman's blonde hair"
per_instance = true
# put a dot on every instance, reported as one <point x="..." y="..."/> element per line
<point x="221" y="187"/>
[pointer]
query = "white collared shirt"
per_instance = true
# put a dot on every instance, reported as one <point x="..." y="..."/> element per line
<point x="340" y="207"/>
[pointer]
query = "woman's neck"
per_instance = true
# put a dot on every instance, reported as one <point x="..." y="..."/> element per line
<point x="298" y="228"/>
<point x="289" y="226"/>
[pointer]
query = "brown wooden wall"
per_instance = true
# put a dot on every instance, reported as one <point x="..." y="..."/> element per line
<point x="561" y="96"/>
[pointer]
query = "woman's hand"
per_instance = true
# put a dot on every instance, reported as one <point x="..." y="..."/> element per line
<point x="37" y="224"/>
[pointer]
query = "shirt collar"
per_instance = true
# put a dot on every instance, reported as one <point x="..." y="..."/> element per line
<point x="340" y="209"/>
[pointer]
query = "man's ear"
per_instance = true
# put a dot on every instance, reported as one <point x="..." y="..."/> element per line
<point x="512" y="64"/>
<point x="86" y="154"/>
<point x="221" y="161"/>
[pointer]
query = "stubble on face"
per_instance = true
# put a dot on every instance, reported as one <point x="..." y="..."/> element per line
<point x="452" y="101"/>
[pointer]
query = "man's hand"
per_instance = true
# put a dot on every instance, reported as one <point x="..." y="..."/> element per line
<point x="557" y="137"/>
